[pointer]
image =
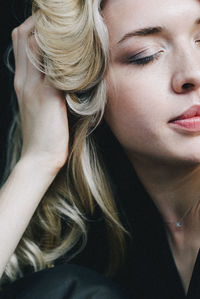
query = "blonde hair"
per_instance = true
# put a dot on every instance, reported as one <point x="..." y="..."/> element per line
<point x="73" y="43"/>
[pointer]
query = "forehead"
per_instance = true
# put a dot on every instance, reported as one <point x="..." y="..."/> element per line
<point x="121" y="15"/>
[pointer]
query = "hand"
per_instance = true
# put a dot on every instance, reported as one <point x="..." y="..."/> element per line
<point x="42" y="108"/>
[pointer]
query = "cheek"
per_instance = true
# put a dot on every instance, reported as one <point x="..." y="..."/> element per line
<point x="134" y="112"/>
<point x="128" y="125"/>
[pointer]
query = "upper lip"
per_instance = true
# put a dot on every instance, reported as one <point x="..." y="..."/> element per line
<point x="189" y="113"/>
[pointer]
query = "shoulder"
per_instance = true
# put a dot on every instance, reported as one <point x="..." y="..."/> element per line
<point x="63" y="281"/>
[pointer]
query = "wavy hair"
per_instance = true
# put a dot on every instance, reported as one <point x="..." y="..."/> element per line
<point x="73" y="43"/>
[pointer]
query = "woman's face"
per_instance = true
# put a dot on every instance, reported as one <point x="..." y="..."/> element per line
<point x="154" y="76"/>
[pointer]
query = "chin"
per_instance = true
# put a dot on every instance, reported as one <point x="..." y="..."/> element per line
<point x="174" y="158"/>
<point x="187" y="158"/>
<point x="192" y="160"/>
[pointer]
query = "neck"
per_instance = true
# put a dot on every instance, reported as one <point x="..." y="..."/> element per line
<point x="175" y="189"/>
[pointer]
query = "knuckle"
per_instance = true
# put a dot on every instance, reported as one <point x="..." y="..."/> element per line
<point x="14" y="33"/>
<point x="17" y="84"/>
<point x="22" y="29"/>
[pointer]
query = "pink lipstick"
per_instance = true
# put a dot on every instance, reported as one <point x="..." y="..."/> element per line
<point x="189" y="120"/>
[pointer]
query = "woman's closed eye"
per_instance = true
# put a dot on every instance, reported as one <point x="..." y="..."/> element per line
<point x="138" y="60"/>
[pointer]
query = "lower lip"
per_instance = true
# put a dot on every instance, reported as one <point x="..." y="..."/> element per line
<point x="189" y="124"/>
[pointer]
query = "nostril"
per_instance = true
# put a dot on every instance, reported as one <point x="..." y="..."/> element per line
<point x="187" y="86"/>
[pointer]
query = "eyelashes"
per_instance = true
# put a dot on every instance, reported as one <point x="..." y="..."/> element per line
<point x="143" y="60"/>
<point x="138" y="60"/>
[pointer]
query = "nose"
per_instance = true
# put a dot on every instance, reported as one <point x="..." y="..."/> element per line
<point x="186" y="75"/>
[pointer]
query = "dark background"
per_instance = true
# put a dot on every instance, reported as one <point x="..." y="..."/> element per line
<point x="12" y="14"/>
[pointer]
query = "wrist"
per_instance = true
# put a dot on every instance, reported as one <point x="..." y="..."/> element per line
<point x="34" y="163"/>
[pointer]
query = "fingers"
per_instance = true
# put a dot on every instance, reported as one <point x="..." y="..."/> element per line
<point x="22" y="63"/>
<point x="20" y="36"/>
<point x="14" y="41"/>
<point x="27" y="77"/>
<point x="34" y="76"/>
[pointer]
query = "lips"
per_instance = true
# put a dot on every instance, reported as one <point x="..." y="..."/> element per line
<point x="192" y="112"/>
<point x="188" y="121"/>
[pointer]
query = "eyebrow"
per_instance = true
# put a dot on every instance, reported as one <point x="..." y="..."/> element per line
<point x="147" y="31"/>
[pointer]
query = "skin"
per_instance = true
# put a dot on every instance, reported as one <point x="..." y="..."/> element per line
<point x="142" y="99"/>
<point x="45" y="145"/>
<point x="48" y="105"/>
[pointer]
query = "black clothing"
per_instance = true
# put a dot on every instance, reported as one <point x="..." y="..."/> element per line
<point x="149" y="271"/>
<point x="63" y="282"/>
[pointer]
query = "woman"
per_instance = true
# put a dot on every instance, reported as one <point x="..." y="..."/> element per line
<point x="144" y="82"/>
